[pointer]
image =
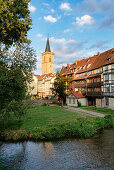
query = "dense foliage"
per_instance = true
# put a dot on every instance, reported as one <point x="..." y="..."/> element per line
<point x="15" y="21"/>
<point x="60" y="86"/>
<point x="15" y="74"/>
<point x="17" y="58"/>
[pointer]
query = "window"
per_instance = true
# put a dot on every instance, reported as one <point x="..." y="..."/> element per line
<point x="73" y="101"/>
<point x="106" y="67"/>
<point x="95" y="79"/>
<point x="69" y="100"/>
<point x="98" y="79"/>
<point x="95" y="89"/>
<point x="107" y="89"/>
<point x="98" y="70"/>
<point x="76" y="89"/>
<point x="112" y="89"/>
<point x="49" y="59"/>
<point x="106" y="77"/>
<point x="112" y="77"/>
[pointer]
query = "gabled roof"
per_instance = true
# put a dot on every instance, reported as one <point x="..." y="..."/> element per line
<point x="90" y="63"/>
<point x="39" y="77"/>
<point x="77" y="94"/>
<point x="81" y="66"/>
<point x="104" y="58"/>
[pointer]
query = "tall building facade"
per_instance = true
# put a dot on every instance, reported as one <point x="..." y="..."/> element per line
<point x="47" y="60"/>
<point x="91" y="80"/>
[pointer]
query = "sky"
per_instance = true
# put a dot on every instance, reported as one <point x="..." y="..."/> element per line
<point x="77" y="29"/>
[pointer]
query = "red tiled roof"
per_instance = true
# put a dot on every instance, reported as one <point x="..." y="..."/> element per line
<point x="102" y="59"/>
<point x="41" y="77"/>
<point x="77" y="94"/>
<point x="37" y="76"/>
<point x="82" y="64"/>
<point x="94" y="62"/>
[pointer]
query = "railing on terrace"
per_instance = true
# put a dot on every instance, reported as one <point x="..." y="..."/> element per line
<point x="94" y="94"/>
<point x="95" y="84"/>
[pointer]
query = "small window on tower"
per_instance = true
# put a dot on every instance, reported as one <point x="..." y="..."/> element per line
<point x="49" y="59"/>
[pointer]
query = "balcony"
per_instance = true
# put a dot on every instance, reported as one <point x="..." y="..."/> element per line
<point x="94" y="94"/>
<point x="95" y="84"/>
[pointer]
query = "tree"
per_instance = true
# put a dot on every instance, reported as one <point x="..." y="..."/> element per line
<point x="15" y="72"/>
<point x="15" y="21"/>
<point x="16" y="65"/>
<point x="60" y="86"/>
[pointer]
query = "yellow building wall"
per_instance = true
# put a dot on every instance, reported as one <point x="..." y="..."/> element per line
<point x="47" y="63"/>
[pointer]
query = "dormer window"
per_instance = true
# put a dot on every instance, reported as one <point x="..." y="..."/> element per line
<point x="109" y="59"/>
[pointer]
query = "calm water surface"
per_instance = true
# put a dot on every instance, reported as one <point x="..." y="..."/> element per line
<point x="94" y="153"/>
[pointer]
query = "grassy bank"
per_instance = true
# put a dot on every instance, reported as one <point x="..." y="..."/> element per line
<point x="100" y="110"/>
<point x="50" y="123"/>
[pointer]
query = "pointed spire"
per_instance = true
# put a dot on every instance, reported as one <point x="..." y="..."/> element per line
<point x="47" y="46"/>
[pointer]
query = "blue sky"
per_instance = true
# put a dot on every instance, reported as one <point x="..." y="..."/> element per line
<point x="77" y="28"/>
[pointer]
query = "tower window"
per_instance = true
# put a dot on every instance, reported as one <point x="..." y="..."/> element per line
<point x="49" y="59"/>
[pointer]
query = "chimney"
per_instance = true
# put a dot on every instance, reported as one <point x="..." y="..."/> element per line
<point x="98" y="53"/>
<point x="68" y="65"/>
<point x="63" y="67"/>
<point x="76" y="62"/>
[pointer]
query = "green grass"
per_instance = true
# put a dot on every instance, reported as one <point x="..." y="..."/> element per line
<point x="49" y="122"/>
<point x="39" y="116"/>
<point x="100" y="110"/>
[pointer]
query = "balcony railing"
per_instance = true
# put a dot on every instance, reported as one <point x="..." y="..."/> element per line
<point x="94" y="94"/>
<point x="95" y="84"/>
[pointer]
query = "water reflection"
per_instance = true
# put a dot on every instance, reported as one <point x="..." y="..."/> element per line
<point x="94" y="153"/>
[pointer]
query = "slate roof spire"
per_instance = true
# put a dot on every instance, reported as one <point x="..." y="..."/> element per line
<point x="47" y="46"/>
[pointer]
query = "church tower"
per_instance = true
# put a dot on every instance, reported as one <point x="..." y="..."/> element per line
<point x="47" y="60"/>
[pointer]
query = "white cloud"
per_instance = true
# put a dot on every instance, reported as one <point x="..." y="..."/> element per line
<point x="52" y="10"/>
<point x="86" y="19"/>
<point x="49" y="18"/>
<point x="65" y="6"/>
<point x="31" y="8"/>
<point x="39" y="35"/>
<point x="62" y="41"/>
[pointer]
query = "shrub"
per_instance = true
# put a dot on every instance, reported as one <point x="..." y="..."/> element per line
<point x="108" y="121"/>
<point x="79" y="103"/>
<point x="82" y="127"/>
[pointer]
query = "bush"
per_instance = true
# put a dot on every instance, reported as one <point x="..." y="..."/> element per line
<point x="82" y="127"/>
<point x="79" y="103"/>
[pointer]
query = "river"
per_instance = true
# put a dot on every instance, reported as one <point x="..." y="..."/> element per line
<point x="94" y="153"/>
